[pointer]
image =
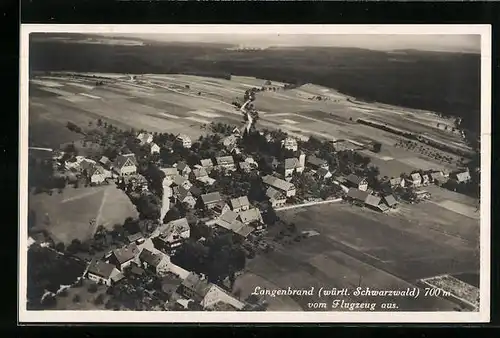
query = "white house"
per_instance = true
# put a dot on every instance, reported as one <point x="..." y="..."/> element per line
<point x="103" y="273"/>
<point x="125" y="165"/>
<point x="155" y="149"/>
<point x="184" y="140"/>
<point x="290" y="144"/>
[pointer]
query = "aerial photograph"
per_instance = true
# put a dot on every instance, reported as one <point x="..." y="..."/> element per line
<point x="255" y="172"/>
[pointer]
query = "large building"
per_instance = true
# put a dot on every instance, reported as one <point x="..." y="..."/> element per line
<point x="288" y="189"/>
<point x="125" y="165"/>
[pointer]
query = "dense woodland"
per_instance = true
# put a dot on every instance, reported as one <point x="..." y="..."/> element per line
<point x="448" y="83"/>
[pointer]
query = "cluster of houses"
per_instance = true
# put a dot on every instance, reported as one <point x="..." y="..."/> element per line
<point x="153" y="255"/>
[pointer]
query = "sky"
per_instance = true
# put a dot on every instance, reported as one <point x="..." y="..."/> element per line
<point x="450" y="43"/>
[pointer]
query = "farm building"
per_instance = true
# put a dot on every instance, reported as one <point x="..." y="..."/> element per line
<point x="357" y="182"/>
<point x="124" y="256"/>
<point x="461" y="177"/>
<point x="183" y="140"/>
<point x="239" y="204"/>
<point x="152" y="261"/>
<point x="317" y="163"/>
<point x="103" y="273"/>
<point x="323" y="173"/>
<point x="207" y="163"/>
<point x="288" y="189"/>
<point x="221" y="207"/>
<point x="374" y="202"/>
<point x="172" y="235"/>
<point x="356" y="195"/>
<point x="136" y="238"/>
<point x="290" y="143"/>
<point x="155" y="149"/>
<point x="210" y="200"/>
<point x="438" y="178"/>
<point x="276" y="198"/>
<point x="145" y="138"/>
<point x="425" y="179"/>
<point x="422" y="195"/>
<point x="416" y="179"/>
<point x="183" y="169"/>
<point x="225" y="162"/>
<point x="229" y="221"/>
<point x="125" y="165"/>
<point x="397" y="182"/>
<point x="390" y="201"/>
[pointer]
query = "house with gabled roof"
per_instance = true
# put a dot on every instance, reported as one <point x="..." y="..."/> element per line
<point x="103" y="273"/>
<point x="180" y="181"/>
<point x="276" y="198"/>
<point x="356" y="195"/>
<point x="290" y="143"/>
<point x="207" y="163"/>
<point x="438" y="178"/>
<point x="104" y="161"/>
<point x="316" y="162"/>
<point x="194" y="287"/>
<point x="288" y="189"/>
<point x="416" y="179"/>
<point x="250" y="216"/>
<point x="183" y="168"/>
<point x="221" y="207"/>
<point x="239" y="204"/>
<point x="323" y="173"/>
<point x="97" y="175"/>
<point x="397" y="182"/>
<point x="229" y="221"/>
<point x="390" y="201"/>
<point x="152" y="261"/>
<point x="225" y="162"/>
<point x="125" y="165"/>
<point x="357" y="182"/>
<point x="461" y="176"/>
<point x="145" y="138"/>
<point x="172" y="235"/>
<point x="124" y="256"/>
<point x="183" y="140"/>
<point x="211" y="199"/>
<point x="184" y="196"/>
<point x="136" y="238"/>
<point x="154" y="148"/>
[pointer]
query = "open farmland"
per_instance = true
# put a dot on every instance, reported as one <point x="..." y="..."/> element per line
<point x="68" y="215"/>
<point x="359" y="247"/>
<point x="183" y="103"/>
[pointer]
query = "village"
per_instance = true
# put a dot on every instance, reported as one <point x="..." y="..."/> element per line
<point x="206" y="205"/>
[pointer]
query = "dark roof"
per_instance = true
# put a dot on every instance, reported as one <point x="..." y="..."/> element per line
<point x="136" y="270"/>
<point x="150" y="257"/>
<point x="355" y="179"/>
<point x="316" y="161"/>
<point x="322" y="172"/>
<point x="181" y="193"/>
<point x="274" y="194"/>
<point x="277" y="183"/>
<point x="372" y="200"/>
<point x="126" y="253"/>
<point x="195" y="283"/>
<point x="104" y="160"/>
<point x="135" y="237"/>
<point x="239" y="202"/>
<point x="357" y="194"/>
<point x="211" y="197"/>
<point x="182" y="165"/>
<point x="101" y="269"/>
<point x="195" y="190"/>
<point x="390" y="200"/>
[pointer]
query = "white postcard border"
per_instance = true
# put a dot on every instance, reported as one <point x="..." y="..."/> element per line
<point x="483" y="315"/>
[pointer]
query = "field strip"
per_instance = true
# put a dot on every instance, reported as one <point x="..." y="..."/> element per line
<point x="171" y="116"/>
<point x="57" y="91"/>
<point x="204" y="113"/>
<point x="47" y="83"/>
<point x="74" y="198"/>
<point x="458" y="208"/>
<point x="98" y="217"/>
<point x="309" y="204"/>
<point x="81" y="85"/>
<point x="290" y="121"/>
<point x="196" y="119"/>
<point x="91" y="96"/>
